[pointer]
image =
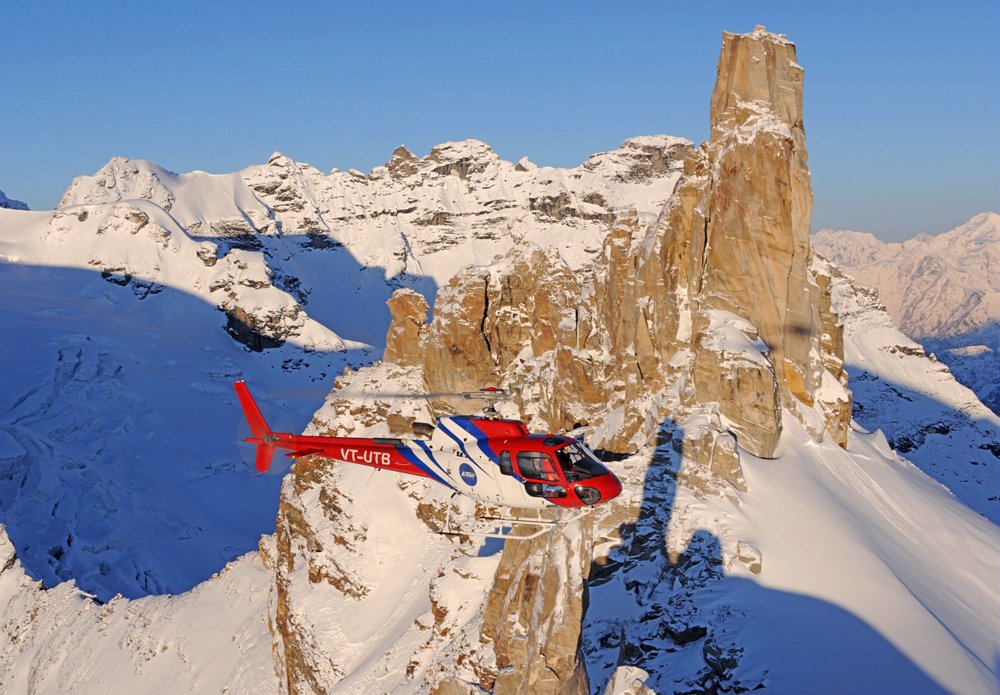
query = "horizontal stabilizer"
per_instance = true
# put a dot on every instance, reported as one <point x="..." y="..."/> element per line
<point x="303" y="452"/>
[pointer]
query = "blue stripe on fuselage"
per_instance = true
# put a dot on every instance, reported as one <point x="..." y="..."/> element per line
<point x="481" y="438"/>
<point x="461" y="445"/>
<point x="415" y="460"/>
<point x="430" y="454"/>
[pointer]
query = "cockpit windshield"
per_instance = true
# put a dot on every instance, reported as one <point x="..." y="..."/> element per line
<point x="578" y="463"/>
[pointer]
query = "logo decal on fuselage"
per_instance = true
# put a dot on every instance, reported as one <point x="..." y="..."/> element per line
<point x="468" y="475"/>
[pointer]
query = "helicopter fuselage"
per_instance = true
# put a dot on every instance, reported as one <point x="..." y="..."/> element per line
<point x="494" y="460"/>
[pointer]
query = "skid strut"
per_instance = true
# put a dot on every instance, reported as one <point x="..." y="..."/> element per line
<point x="545" y="525"/>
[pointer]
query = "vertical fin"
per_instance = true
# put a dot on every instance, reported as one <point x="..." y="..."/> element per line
<point x="261" y="432"/>
<point x="256" y="421"/>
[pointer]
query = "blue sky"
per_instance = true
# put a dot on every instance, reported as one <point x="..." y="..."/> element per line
<point x="902" y="100"/>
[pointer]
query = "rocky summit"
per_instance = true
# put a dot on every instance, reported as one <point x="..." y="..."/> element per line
<point x="809" y="498"/>
<point x="714" y="302"/>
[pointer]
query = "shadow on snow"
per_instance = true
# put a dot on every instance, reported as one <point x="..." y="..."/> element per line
<point x="120" y="463"/>
<point x="695" y="629"/>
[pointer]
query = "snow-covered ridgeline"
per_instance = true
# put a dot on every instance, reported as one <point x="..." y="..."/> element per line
<point x="117" y="459"/>
<point x="942" y="290"/>
<point x="414" y="215"/>
<point x="925" y="412"/>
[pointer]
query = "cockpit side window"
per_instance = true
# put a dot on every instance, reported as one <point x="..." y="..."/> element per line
<point x="506" y="465"/>
<point x="578" y="463"/>
<point x="536" y="465"/>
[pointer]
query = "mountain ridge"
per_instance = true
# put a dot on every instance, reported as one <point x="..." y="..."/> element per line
<point x="941" y="290"/>
<point x="766" y="522"/>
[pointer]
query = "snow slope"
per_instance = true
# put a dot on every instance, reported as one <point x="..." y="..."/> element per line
<point x="117" y="419"/>
<point x="212" y="639"/>
<point x="871" y="578"/>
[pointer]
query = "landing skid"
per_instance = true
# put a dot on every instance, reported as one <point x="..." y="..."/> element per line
<point x="509" y="522"/>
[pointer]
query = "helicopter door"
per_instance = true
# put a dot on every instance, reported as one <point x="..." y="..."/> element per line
<point x="539" y="472"/>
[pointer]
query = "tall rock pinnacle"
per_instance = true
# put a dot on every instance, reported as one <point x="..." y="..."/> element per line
<point x="757" y="202"/>
<point x="716" y="300"/>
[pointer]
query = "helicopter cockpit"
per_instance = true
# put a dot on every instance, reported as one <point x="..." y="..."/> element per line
<point x="555" y="469"/>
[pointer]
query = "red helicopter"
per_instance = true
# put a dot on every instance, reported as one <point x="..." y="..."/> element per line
<point x="494" y="460"/>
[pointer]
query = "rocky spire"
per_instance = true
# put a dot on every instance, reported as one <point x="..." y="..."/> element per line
<point x="710" y="317"/>
<point x="757" y="201"/>
<point x="715" y="301"/>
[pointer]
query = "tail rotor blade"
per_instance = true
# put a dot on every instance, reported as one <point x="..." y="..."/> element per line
<point x="264" y="456"/>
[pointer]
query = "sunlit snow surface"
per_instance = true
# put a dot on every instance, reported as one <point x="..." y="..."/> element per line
<point x="874" y="579"/>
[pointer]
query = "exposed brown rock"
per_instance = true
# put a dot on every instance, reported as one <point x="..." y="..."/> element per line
<point x="298" y="540"/>
<point x="714" y="450"/>
<point x="457" y="354"/>
<point x="402" y="163"/>
<point x="534" y="614"/>
<point x="409" y="315"/>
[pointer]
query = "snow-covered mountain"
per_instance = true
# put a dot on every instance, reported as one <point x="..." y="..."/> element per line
<point x="943" y="291"/>
<point x="764" y="537"/>
<point x="130" y="309"/>
<point x="10" y="204"/>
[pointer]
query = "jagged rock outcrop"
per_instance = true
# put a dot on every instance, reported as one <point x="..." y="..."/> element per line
<point x="302" y="554"/>
<point x="716" y="300"/>
<point x="533" y="615"/>
<point x="409" y="314"/>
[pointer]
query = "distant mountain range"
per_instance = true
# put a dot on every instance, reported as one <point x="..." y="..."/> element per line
<point x="943" y="291"/>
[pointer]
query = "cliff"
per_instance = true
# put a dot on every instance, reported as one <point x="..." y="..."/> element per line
<point x="710" y="317"/>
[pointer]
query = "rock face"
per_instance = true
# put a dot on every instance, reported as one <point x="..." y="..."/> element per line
<point x="402" y="342"/>
<point x="533" y="616"/>
<point x="716" y="300"/>
<point x="757" y="200"/>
